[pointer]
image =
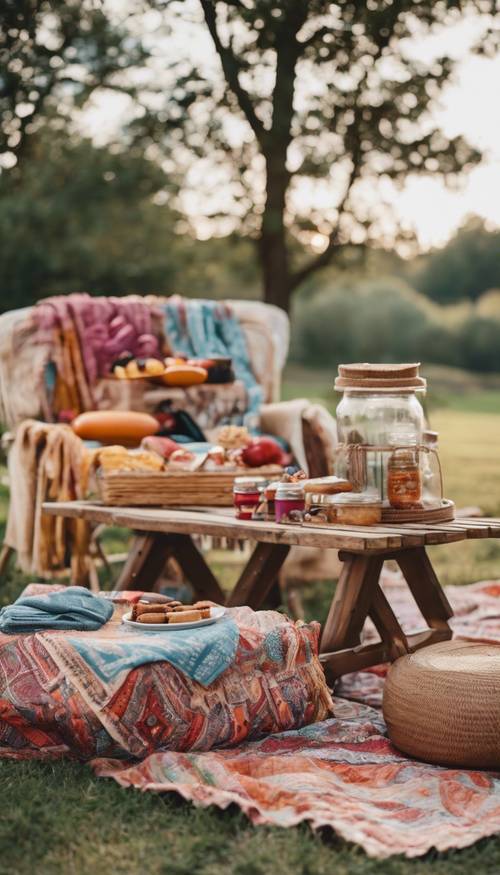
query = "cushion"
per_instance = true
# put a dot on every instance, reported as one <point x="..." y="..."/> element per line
<point x="52" y="703"/>
<point x="442" y="704"/>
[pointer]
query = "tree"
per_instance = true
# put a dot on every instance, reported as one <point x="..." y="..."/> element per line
<point x="53" y="55"/>
<point x="326" y="91"/>
<point x="83" y="218"/>
<point x="465" y="268"/>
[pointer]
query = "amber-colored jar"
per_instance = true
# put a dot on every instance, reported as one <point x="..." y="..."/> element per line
<point x="404" y="478"/>
<point x="358" y="509"/>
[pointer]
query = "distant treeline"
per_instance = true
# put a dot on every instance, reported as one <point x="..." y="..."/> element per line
<point x="387" y="320"/>
<point x="82" y="218"/>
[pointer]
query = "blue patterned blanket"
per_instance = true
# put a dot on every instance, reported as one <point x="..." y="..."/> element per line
<point x="201" y="653"/>
<point x="199" y="328"/>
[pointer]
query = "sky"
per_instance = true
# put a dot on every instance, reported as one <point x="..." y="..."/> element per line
<point x="470" y="106"/>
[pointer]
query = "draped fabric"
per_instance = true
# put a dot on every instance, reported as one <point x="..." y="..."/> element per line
<point x="199" y="328"/>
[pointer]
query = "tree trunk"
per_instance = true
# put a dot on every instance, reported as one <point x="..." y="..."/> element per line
<point x="273" y="253"/>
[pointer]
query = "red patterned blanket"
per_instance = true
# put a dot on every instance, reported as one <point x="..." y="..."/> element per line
<point x="341" y="772"/>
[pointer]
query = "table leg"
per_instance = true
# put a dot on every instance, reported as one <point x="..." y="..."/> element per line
<point x="425" y="588"/>
<point x="358" y="595"/>
<point x="145" y="562"/>
<point x="258" y="575"/>
<point x="197" y="571"/>
<point x="351" y="603"/>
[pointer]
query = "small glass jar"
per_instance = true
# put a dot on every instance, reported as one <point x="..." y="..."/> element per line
<point x="404" y="477"/>
<point x="289" y="503"/>
<point x="431" y="473"/>
<point x="270" y="497"/>
<point x="247" y="493"/>
<point x="358" y="509"/>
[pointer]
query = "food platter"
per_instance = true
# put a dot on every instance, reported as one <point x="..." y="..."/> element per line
<point x="215" y="614"/>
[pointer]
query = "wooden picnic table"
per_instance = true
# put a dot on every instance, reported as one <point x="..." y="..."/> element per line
<point x="163" y="532"/>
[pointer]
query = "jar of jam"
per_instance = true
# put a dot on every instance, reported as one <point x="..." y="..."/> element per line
<point x="270" y="497"/>
<point x="247" y="496"/>
<point x="358" y="509"/>
<point x="289" y="503"/>
<point x="404" y="478"/>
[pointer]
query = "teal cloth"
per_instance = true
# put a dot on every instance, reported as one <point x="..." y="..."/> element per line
<point x="72" y="608"/>
<point x="201" y="653"/>
<point x="201" y="328"/>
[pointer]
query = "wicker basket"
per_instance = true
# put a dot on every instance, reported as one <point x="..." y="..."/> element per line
<point x="442" y="704"/>
<point x="175" y="488"/>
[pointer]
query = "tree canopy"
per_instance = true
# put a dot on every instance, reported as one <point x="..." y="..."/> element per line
<point x="84" y="219"/>
<point x="330" y="96"/>
<point x="466" y="268"/>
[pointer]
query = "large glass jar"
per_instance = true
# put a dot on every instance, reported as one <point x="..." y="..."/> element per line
<point x="379" y="401"/>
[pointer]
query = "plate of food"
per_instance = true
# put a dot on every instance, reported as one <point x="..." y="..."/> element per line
<point x="172" y="616"/>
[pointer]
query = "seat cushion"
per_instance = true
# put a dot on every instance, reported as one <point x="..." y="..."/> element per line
<point x="54" y="703"/>
<point x="442" y="704"/>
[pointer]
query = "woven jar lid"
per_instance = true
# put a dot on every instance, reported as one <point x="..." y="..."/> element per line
<point x="366" y="377"/>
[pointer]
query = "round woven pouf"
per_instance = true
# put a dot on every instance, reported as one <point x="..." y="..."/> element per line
<point x="442" y="704"/>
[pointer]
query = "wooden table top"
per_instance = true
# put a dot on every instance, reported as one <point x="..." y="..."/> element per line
<point x="220" y="522"/>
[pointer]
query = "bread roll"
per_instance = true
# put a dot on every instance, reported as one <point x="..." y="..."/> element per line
<point x="184" y="617"/>
<point x="160" y="617"/>
<point x="326" y="485"/>
<point x="115" y="426"/>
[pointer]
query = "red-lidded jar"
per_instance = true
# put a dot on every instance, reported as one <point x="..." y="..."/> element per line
<point x="247" y="496"/>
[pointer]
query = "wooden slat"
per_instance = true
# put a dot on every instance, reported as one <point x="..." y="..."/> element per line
<point x="387" y="625"/>
<point x="353" y="659"/>
<point x="220" y="525"/>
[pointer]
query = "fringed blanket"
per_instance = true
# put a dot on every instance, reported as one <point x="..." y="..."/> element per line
<point x="341" y="772"/>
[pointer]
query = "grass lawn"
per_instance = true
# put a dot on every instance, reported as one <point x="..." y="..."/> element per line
<point x="57" y="819"/>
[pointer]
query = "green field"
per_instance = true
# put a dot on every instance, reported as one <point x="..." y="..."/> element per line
<point x="57" y="819"/>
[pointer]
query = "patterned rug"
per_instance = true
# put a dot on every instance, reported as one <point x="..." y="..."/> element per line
<point x="344" y="772"/>
<point x="341" y="772"/>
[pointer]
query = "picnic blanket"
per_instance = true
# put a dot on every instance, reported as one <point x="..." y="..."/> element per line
<point x="340" y="772"/>
<point x="82" y="336"/>
<point x="201" y="328"/>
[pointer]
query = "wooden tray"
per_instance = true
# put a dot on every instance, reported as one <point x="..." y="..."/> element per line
<point x="175" y="488"/>
<point x="443" y="514"/>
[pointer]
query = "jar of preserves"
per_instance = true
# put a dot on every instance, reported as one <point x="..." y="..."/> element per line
<point x="289" y="503"/>
<point x="247" y="493"/>
<point x="270" y="498"/>
<point x="358" y="509"/>
<point x="404" y="476"/>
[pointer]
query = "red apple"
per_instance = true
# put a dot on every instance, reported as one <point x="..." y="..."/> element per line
<point x="262" y="451"/>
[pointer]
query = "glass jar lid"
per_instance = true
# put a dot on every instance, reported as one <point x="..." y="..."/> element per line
<point x="248" y="484"/>
<point x="368" y="377"/>
<point x="290" y="490"/>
